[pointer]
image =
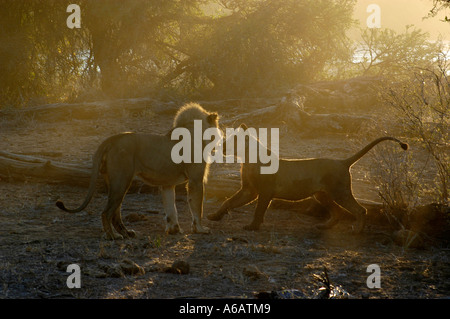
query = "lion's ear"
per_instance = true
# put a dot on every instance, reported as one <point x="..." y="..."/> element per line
<point x="212" y="118"/>
<point x="243" y="126"/>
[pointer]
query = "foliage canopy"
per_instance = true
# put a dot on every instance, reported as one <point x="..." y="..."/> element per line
<point x="189" y="47"/>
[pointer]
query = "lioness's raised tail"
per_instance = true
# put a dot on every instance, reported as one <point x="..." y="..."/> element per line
<point x="353" y="159"/>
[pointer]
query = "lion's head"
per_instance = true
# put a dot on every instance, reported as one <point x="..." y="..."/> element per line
<point x="192" y="111"/>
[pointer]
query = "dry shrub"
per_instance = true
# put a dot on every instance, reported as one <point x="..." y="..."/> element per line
<point x="420" y="178"/>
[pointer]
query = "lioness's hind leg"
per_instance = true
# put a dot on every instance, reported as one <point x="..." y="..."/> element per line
<point x="117" y="188"/>
<point x="334" y="210"/>
<point x="110" y="214"/>
<point x="168" y="197"/>
<point x="350" y="204"/>
<point x="119" y="225"/>
<point x="107" y="221"/>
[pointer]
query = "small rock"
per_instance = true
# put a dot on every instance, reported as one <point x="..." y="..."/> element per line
<point x="115" y="271"/>
<point x="131" y="268"/>
<point x="252" y="272"/>
<point x="178" y="267"/>
<point x="112" y="270"/>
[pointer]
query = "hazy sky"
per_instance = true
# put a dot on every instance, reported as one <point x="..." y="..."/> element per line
<point x="396" y="14"/>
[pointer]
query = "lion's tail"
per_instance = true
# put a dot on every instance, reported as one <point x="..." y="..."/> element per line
<point x="351" y="160"/>
<point x="97" y="162"/>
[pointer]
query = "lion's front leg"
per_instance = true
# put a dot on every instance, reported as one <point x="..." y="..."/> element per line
<point x="195" y="200"/>
<point x="243" y="197"/>
<point x="168" y="196"/>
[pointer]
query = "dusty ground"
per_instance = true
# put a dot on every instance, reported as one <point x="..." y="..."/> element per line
<point x="38" y="241"/>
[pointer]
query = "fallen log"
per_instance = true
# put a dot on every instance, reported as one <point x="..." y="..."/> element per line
<point x="25" y="168"/>
<point x="21" y="168"/>
<point x="93" y="110"/>
<point x="292" y="114"/>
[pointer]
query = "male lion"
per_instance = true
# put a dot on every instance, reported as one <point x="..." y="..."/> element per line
<point x="327" y="180"/>
<point x="148" y="156"/>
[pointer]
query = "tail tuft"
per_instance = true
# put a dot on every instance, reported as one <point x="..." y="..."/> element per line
<point x="60" y="205"/>
<point x="404" y="146"/>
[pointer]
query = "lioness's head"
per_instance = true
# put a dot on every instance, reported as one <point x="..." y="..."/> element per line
<point x="244" y="144"/>
<point x="237" y="141"/>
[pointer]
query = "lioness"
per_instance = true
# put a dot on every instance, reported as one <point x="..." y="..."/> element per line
<point x="122" y="157"/>
<point x="327" y="180"/>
